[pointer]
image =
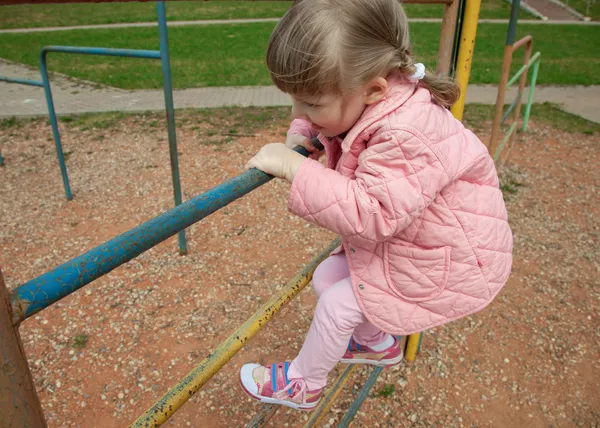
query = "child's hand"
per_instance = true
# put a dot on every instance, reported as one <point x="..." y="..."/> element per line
<point x="278" y="160"/>
<point x="294" y="140"/>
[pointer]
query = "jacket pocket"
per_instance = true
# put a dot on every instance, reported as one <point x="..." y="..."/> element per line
<point x="416" y="274"/>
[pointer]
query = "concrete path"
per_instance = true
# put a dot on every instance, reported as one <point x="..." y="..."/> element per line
<point x="249" y="21"/>
<point x="76" y="97"/>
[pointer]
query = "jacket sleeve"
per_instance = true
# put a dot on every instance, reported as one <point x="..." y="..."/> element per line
<point x="302" y="127"/>
<point x="394" y="183"/>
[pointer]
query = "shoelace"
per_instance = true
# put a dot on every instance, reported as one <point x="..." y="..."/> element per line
<point x="283" y="393"/>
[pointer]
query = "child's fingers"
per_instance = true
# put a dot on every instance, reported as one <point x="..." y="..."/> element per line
<point x="250" y="164"/>
<point x="309" y="146"/>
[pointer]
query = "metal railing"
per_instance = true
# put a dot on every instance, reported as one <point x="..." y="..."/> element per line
<point x="17" y="396"/>
<point x="495" y="147"/>
<point x="20" y="404"/>
<point x="162" y="54"/>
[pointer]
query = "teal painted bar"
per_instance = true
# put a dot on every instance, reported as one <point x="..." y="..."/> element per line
<point x="534" y="76"/>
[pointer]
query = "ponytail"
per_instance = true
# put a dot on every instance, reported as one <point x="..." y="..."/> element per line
<point x="444" y="90"/>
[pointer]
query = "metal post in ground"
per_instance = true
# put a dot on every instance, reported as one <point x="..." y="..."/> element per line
<point x="168" y="89"/>
<point x="54" y="123"/>
<point x="412" y="347"/>
<point x="19" y="403"/>
<point x="465" y="53"/>
<point x="449" y="20"/>
<point x="506" y="63"/>
<point x="536" y="68"/>
<point x="522" y="82"/>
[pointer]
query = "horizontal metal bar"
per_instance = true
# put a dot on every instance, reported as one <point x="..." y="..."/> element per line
<point x="522" y="42"/>
<point x="41" y="292"/>
<point x="21" y="81"/>
<point x="178" y="395"/>
<point x="133" y="53"/>
<point x="329" y="398"/>
<point x="523" y="69"/>
<point x="360" y="398"/>
<point x="511" y="107"/>
<point x="264" y="415"/>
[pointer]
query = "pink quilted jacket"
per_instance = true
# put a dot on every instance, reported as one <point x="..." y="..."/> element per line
<point x="415" y="197"/>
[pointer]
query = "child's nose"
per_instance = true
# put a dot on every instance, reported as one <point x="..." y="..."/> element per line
<point x="298" y="113"/>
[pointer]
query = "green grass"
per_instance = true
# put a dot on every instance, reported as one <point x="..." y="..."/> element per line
<point x="80" y="340"/>
<point x="490" y="9"/>
<point x="581" y="6"/>
<point x="510" y="187"/>
<point x="386" y="391"/>
<point x="230" y="55"/>
<point x="220" y="55"/>
<point x="56" y="15"/>
<point x="478" y="116"/>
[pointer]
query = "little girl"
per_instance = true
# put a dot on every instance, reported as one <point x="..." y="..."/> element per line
<point x="413" y="193"/>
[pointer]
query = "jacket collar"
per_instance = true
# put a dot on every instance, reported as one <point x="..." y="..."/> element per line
<point x="400" y="90"/>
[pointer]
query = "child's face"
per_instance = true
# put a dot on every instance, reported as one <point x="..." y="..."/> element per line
<point x="330" y="115"/>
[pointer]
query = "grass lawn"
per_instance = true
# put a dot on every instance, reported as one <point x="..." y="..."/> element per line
<point x="581" y="6"/>
<point x="51" y="15"/>
<point x="480" y="116"/>
<point x="248" y="120"/>
<point x="230" y="55"/>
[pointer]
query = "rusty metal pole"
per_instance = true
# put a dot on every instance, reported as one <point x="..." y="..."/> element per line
<point x="19" y="403"/>
<point x="523" y="81"/>
<point x="506" y="63"/>
<point x="504" y="154"/>
<point x="444" y="59"/>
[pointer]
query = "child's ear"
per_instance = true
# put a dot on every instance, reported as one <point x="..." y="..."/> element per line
<point x="375" y="90"/>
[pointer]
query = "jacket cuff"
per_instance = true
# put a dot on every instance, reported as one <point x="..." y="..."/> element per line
<point x="308" y="168"/>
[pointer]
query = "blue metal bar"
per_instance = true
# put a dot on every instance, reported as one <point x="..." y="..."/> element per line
<point x="54" y="123"/>
<point x="168" y="89"/>
<point x="134" y="53"/>
<point x="21" y="81"/>
<point x="1" y="160"/>
<point x="511" y="107"/>
<point x="512" y="23"/>
<point x="360" y="398"/>
<point x="63" y="280"/>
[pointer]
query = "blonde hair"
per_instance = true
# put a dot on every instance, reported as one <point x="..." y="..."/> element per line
<point x="336" y="46"/>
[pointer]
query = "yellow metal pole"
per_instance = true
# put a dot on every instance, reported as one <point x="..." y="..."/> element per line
<point x="188" y="386"/>
<point x="412" y="347"/>
<point x="465" y="53"/>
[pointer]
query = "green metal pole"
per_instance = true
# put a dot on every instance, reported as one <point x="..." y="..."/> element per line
<point x="534" y="75"/>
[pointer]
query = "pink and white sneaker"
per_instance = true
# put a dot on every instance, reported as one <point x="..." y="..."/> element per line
<point x="271" y="385"/>
<point x="360" y="354"/>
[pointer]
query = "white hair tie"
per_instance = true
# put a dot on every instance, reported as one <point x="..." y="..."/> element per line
<point x="420" y="73"/>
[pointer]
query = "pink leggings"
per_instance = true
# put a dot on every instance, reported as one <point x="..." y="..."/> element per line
<point x="336" y="319"/>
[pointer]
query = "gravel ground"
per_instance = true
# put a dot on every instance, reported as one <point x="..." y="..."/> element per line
<point x="103" y="355"/>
